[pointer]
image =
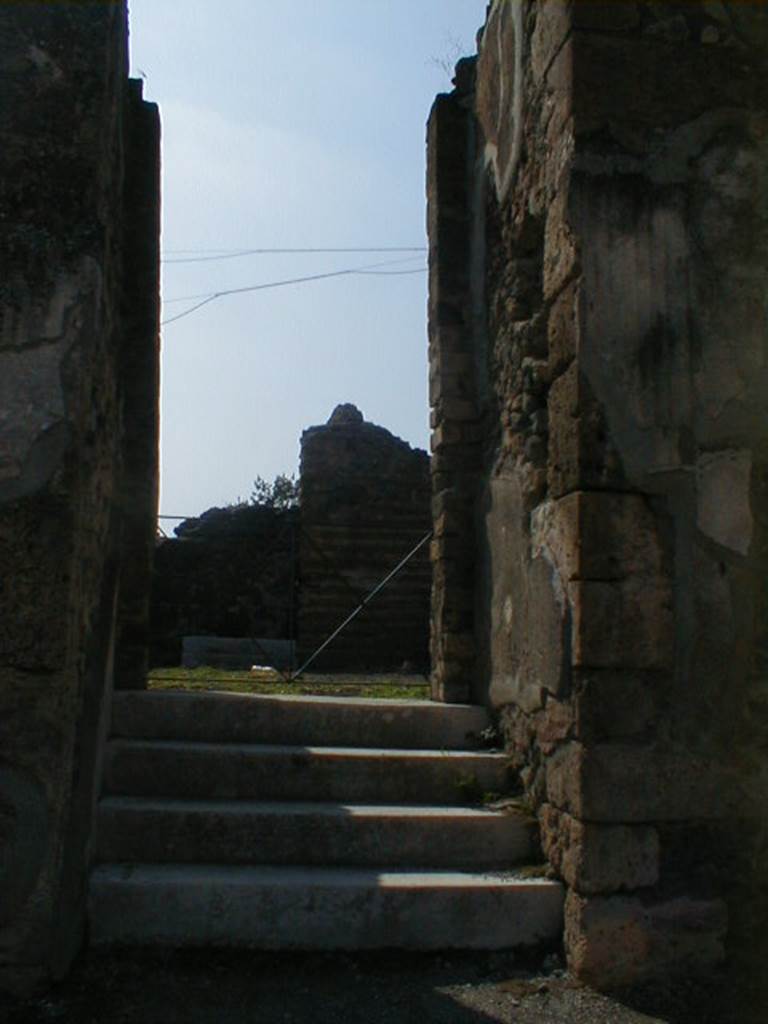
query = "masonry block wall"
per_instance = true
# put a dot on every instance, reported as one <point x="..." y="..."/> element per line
<point x="75" y="140"/>
<point x="232" y="572"/>
<point x="139" y="371"/>
<point x="364" y="505"/>
<point x="598" y="244"/>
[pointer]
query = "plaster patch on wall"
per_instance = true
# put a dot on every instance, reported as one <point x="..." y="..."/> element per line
<point x="23" y="839"/>
<point x="672" y="163"/>
<point x="723" y="506"/>
<point x="31" y="402"/>
<point x="32" y="407"/>
<point x="44" y="63"/>
<point x="552" y="539"/>
<point x="500" y="91"/>
<point x="529" y="614"/>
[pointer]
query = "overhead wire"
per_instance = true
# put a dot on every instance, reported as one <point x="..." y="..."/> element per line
<point x="208" y="256"/>
<point x="370" y="269"/>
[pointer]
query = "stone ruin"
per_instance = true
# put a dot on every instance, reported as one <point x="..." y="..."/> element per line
<point x="229" y="573"/>
<point x="364" y="505"/>
<point x="296" y="574"/>
<point x="597" y="336"/>
<point x="79" y="310"/>
<point x="598" y="377"/>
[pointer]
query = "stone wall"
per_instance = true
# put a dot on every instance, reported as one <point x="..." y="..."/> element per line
<point x="598" y="249"/>
<point x="139" y="371"/>
<point x="231" y="572"/>
<point x="364" y="505"/>
<point x="77" y="247"/>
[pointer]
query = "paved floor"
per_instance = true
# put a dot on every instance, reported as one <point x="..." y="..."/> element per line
<point x="146" y="987"/>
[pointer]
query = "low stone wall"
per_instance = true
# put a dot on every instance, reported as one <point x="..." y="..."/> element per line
<point x="231" y="573"/>
<point x="76" y="139"/>
<point x="598" y="248"/>
<point x="364" y="506"/>
<point x="255" y="571"/>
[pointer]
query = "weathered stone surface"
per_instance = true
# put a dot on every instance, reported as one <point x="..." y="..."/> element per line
<point x="563" y="329"/>
<point x="617" y="705"/>
<point x="614" y="942"/>
<point x="560" y="253"/>
<point x="452" y="389"/>
<point x="580" y="455"/>
<point x="554" y="725"/>
<point x="724" y="513"/>
<point x="617" y="241"/>
<point x="365" y="504"/>
<point x="72" y="224"/>
<point x="616" y="782"/>
<point x="599" y="536"/>
<point x="24" y="839"/>
<point x="595" y="859"/>
<point x="529" y="615"/>
<point x="553" y="23"/>
<point x="500" y="93"/>
<point x="138" y="493"/>
<point x="228" y="573"/>
<point x="622" y="624"/>
<point x="607" y="17"/>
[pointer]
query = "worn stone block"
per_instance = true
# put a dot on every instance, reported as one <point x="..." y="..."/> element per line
<point x="563" y="329"/>
<point x="451" y="682"/>
<point x="723" y="494"/>
<point x="557" y="124"/>
<point x="458" y="646"/>
<point x="446" y="146"/>
<point x="523" y="603"/>
<point x="560" y="246"/>
<point x="581" y="454"/>
<point x="446" y="433"/>
<point x="554" y="724"/>
<point x="460" y="410"/>
<point x="595" y="859"/>
<point x="616" y="782"/>
<point x="616" y="705"/>
<point x="365" y="502"/>
<point x="592" y="535"/>
<point x="447" y="338"/>
<point x="627" y="624"/>
<point x="500" y="92"/>
<point x="617" y="942"/>
<point x="658" y="94"/>
<point x="554" y="20"/>
<point x="605" y="15"/>
<point x="78" y="318"/>
<point x="458" y="461"/>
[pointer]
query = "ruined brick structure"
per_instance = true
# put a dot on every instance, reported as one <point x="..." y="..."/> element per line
<point x="78" y="441"/>
<point x="364" y="506"/>
<point x="230" y="573"/>
<point x="598" y="250"/>
<point x="296" y="574"/>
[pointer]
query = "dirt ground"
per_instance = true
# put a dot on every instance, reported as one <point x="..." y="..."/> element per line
<point x="202" y="987"/>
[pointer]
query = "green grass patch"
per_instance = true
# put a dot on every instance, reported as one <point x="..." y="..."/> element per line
<point x="267" y="681"/>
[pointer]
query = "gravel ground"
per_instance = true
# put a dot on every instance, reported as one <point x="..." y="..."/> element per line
<point x="161" y="987"/>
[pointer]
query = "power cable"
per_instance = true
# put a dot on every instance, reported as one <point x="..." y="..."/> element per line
<point x="277" y="284"/>
<point x="231" y="254"/>
<point x="371" y="269"/>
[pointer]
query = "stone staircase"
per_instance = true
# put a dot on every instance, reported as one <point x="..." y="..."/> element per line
<point x="309" y="823"/>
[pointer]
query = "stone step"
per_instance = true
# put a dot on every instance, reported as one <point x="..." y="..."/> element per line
<point x="319" y="908"/>
<point x="311" y="834"/>
<point x="230" y="771"/>
<point x="331" y="721"/>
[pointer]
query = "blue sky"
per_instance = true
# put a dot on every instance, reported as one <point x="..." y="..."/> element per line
<point x="298" y="125"/>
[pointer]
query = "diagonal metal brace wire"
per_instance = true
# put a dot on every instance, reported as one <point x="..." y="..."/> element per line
<point x="365" y="601"/>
